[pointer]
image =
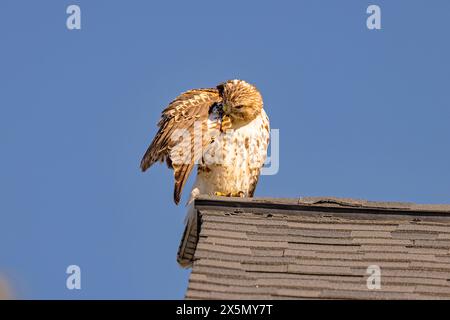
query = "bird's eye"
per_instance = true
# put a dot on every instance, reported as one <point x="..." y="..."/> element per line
<point x="239" y="107"/>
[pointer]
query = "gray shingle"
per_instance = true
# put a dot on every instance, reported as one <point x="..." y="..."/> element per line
<point x="316" y="248"/>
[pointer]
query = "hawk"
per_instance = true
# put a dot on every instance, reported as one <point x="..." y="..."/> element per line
<point x="222" y="130"/>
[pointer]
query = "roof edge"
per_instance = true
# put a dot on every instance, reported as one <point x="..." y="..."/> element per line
<point x="332" y="205"/>
<point x="326" y="204"/>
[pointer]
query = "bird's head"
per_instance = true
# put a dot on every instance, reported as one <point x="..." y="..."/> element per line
<point x="241" y="101"/>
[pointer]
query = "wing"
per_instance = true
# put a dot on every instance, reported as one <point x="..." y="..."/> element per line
<point x="185" y="114"/>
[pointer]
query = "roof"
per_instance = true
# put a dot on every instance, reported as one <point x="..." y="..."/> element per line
<point x="260" y="248"/>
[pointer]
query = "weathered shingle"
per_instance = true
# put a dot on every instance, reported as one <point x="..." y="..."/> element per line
<point x="316" y="248"/>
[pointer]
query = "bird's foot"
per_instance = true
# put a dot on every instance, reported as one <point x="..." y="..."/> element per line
<point x="239" y="194"/>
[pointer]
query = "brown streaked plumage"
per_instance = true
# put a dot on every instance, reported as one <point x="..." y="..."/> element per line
<point x="233" y="106"/>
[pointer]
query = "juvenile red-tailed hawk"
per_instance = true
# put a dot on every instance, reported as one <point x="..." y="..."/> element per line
<point x="224" y="130"/>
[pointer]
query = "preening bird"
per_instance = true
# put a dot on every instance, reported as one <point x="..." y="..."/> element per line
<point x="222" y="130"/>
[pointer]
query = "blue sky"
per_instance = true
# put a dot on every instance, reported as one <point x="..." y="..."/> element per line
<point x="361" y="113"/>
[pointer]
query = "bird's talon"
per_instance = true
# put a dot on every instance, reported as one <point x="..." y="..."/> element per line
<point x="220" y="194"/>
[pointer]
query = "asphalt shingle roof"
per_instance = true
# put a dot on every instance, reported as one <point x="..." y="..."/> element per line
<point x="316" y="248"/>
